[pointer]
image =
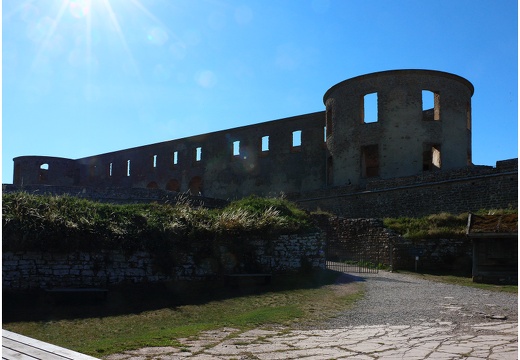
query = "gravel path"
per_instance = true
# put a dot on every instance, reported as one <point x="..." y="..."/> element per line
<point x="400" y="299"/>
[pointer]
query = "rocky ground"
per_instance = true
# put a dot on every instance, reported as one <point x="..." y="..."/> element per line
<point x="400" y="317"/>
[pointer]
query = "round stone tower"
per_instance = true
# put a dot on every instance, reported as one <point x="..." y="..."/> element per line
<point x="397" y="123"/>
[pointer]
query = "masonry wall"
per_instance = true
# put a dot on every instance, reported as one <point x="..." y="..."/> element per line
<point x="456" y="191"/>
<point x="404" y="137"/>
<point x="35" y="270"/>
<point x="380" y="245"/>
<point x="309" y="152"/>
<point x="270" y="158"/>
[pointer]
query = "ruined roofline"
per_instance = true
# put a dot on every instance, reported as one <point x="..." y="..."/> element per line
<point x="194" y="137"/>
<point x="400" y="73"/>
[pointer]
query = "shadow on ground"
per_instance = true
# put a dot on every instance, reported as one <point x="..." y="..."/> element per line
<point x="137" y="298"/>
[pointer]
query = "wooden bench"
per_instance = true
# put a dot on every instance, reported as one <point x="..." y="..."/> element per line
<point x="17" y="347"/>
<point x="236" y="279"/>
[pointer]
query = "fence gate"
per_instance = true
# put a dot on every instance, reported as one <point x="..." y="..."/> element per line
<point x="351" y="257"/>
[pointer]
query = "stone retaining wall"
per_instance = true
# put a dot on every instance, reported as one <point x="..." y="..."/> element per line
<point x="380" y="245"/>
<point x="33" y="270"/>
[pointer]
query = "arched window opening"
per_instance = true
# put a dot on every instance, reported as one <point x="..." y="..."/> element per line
<point x="152" y="185"/>
<point x="43" y="173"/>
<point x="173" y="185"/>
<point x="195" y="186"/>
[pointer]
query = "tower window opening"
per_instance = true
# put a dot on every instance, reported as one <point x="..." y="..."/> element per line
<point x="330" y="168"/>
<point x="110" y="170"/>
<point x="296" y="140"/>
<point x="175" y="157"/>
<point x="128" y="168"/>
<point x="431" y="157"/>
<point x="154" y="161"/>
<point x="328" y="123"/>
<point x="370" y="161"/>
<point x="42" y="176"/>
<point x="369" y="112"/>
<point x="431" y="105"/>
<point x="236" y="148"/>
<point x="265" y="143"/>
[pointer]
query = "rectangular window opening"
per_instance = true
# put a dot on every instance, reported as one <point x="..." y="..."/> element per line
<point x="431" y="157"/>
<point x="296" y="139"/>
<point x="369" y="112"/>
<point x="154" y="161"/>
<point x="198" y="154"/>
<point x="370" y="161"/>
<point x="431" y="105"/>
<point x="236" y="148"/>
<point x="325" y="134"/>
<point x="110" y="170"/>
<point x="175" y="157"/>
<point x="328" y="123"/>
<point x="265" y="143"/>
<point x="128" y="168"/>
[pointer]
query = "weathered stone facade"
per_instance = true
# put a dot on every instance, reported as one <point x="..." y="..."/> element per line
<point x="380" y="245"/>
<point x="455" y="191"/>
<point x="299" y="154"/>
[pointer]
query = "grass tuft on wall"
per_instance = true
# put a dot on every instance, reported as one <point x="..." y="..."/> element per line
<point x="65" y="223"/>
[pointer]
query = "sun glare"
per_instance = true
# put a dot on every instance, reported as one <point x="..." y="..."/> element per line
<point x="75" y="23"/>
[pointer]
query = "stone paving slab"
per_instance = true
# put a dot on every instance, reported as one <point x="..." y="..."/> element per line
<point x="441" y="340"/>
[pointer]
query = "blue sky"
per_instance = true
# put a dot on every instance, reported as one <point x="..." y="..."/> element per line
<point x="88" y="77"/>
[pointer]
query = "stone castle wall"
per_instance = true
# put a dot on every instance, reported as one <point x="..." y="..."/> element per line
<point x="37" y="270"/>
<point x="347" y="238"/>
<point x="457" y="191"/>
<point x="300" y="154"/>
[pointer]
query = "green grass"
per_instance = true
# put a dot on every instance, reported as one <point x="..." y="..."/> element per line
<point x="288" y="300"/>
<point x="463" y="281"/>
<point x="442" y="225"/>
<point x="66" y="223"/>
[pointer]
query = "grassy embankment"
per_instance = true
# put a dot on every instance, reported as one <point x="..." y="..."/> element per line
<point x="63" y="223"/>
<point x="134" y="320"/>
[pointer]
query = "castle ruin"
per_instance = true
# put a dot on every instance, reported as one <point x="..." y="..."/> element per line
<point x="419" y="127"/>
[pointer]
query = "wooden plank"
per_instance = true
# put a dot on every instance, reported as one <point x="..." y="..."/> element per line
<point x="10" y="354"/>
<point x="38" y="349"/>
